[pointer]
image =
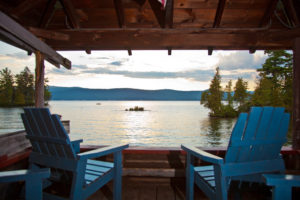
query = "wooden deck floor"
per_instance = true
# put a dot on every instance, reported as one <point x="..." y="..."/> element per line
<point x="142" y="188"/>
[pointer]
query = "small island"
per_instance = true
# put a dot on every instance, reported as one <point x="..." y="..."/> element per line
<point x="136" y="108"/>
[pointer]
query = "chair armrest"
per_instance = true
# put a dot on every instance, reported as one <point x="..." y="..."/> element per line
<point x="102" y="151"/>
<point x="76" y="145"/>
<point x="23" y="175"/>
<point x="282" y="179"/>
<point x="202" y="154"/>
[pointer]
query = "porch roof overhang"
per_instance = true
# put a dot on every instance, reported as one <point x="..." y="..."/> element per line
<point x="147" y="25"/>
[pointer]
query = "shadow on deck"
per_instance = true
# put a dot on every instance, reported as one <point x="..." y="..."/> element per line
<point x="159" y="174"/>
<point x="137" y="188"/>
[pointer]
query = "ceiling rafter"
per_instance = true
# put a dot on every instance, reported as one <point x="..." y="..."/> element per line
<point x="268" y="13"/>
<point x="163" y="15"/>
<point x="158" y="12"/>
<point x="219" y="13"/>
<point x="120" y="12"/>
<point x="47" y="14"/>
<point x="71" y="13"/>
<point x="291" y="12"/>
<point x="23" y="7"/>
<point x="169" y="14"/>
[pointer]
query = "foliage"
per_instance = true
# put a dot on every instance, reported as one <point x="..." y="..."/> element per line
<point x="274" y="88"/>
<point x="275" y="81"/>
<point x="213" y="97"/>
<point x="25" y="85"/>
<point x="47" y="93"/>
<point x="240" y="94"/>
<point x="22" y="93"/>
<point x="6" y="87"/>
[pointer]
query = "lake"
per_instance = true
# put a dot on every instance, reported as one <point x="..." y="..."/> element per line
<point x="163" y="123"/>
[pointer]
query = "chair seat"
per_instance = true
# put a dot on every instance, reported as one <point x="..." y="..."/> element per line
<point x="96" y="169"/>
<point x="207" y="174"/>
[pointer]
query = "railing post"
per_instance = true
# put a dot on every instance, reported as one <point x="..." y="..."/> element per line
<point x="39" y="79"/>
<point x="296" y="94"/>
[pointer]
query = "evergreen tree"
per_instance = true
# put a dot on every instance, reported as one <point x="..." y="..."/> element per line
<point x="228" y="91"/>
<point x="275" y="78"/>
<point x="6" y="87"/>
<point x="228" y="110"/>
<point x="213" y="97"/>
<point x="262" y="93"/>
<point x="240" y="94"/>
<point x="47" y="93"/>
<point x="25" y="85"/>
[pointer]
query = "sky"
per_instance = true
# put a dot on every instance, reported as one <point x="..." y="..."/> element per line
<point x="151" y="70"/>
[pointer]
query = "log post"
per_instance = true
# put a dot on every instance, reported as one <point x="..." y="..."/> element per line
<point x="39" y="79"/>
<point x="296" y="94"/>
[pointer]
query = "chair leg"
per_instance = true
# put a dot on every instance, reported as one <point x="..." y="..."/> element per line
<point x="33" y="189"/>
<point x="221" y="184"/>
<point x="117" y="183"/>
<point x="190" y="176"/>
<point x="282" y="192"/>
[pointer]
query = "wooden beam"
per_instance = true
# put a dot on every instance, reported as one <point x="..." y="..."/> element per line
<point x="158" y="12"/>
<point x="23" y="7"/>
<point x="47" y="14"/>
<point x="169" y="51"/>
<point x="129" y="52"/>
<point x="210" y="51"/>
<point x="120" y="12"/>
<point x="15" y="32"/>
<point x="296" y="95"/>
<point x="10" y="39"/>
<point x="219" y="13"/>
<point x="169" y="14"/>
<point x="268" y="13"/>
<point x="71" y="13"/>
<point x="252" y="50"/>
<point x="155" y="39"/>
<point x="291" y="12"/>
<point x="47" y="34"/>
<point x="39" y="80"/>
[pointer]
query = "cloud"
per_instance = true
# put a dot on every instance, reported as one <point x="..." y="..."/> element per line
<point x="80" y="66"/>
<point x="19" y="55"/>
<point x="199" y="75"/>
<point x="241" y="60"/>
<point x="116" y="63"/>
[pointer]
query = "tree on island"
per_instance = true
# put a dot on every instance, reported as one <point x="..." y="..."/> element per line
<point x="213" y="96"/>
<point x="6" y="87"/>
<point x="241" y="96"/>
<point x="21" y="91"/>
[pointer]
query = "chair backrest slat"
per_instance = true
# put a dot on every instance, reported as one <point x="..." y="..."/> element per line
<point x="263" y="135"/>
<point x="40" y="123"/>
<point x="39" y="116"/>
<point x="62" y="133"/>
<point x="237" y="133"/>
<point x="249" y="134"/>
<point x="262" y="131"/>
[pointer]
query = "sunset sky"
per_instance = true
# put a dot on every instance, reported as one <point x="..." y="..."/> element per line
<point x="183" y="70"/>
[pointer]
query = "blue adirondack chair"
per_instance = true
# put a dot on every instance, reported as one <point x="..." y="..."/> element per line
<point x="254" y="149"/>
<point x="33" y="181"/>
<point x="282" y="185"/>
<point x="52" y="148"/>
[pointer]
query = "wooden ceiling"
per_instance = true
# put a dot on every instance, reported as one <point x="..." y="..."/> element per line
<point x="146" y="25"/>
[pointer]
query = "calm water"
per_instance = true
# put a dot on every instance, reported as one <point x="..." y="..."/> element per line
<point x="164" y="123"/>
